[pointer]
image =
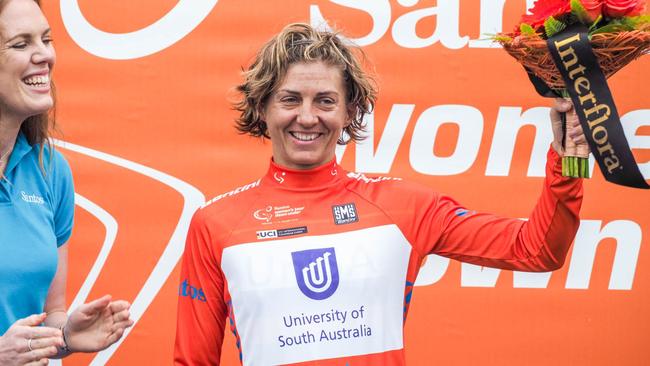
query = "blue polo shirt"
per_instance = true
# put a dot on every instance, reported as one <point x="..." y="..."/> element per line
<point x="36" y="212"/>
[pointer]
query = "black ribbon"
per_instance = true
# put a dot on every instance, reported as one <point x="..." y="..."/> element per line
<point x="593" y="103"/>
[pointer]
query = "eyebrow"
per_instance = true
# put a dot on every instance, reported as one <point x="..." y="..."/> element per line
<point x="318" y="94"/>
<point x="28" y="35"/>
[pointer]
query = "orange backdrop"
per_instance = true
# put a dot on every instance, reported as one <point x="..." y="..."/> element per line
<point x="143" y="108"/>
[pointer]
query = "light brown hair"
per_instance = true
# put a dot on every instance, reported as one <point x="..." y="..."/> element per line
<point x="296" y="43"/>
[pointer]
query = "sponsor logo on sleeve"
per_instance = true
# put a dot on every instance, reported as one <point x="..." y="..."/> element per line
<point x="362" y="178"/>
<point x="345" y="214"/>
<point x="273" y="234"/>
<point x="194" y="293"/>
<point x="232" y="193"/>
<point x="316" y="272"/>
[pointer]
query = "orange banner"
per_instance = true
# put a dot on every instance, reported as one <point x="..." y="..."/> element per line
<point x="144" y="91"/>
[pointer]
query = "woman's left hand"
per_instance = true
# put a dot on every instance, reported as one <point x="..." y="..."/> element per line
<point x="575" y="143"/>
<point x="96" y="325"/>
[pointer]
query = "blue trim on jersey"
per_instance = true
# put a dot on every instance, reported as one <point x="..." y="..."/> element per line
<point x="407" y="298"/>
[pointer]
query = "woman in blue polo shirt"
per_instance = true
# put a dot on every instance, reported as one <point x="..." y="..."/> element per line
<point x="36" y="208"/>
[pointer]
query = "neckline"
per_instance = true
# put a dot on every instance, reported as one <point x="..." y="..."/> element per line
<point x="304" y="180"/>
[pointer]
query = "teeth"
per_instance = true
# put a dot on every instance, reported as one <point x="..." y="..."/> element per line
<point x="304" y="136"/>
<point x="38" y="80"/>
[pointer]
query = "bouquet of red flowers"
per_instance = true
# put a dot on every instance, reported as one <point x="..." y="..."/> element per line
<point x="548" y="43"/>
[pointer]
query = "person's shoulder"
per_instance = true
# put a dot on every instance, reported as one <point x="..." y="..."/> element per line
<point x="370" y="178"/>
<point x="232" y="198"/>
<point x="382" y="188"/>
<point x="363" y="181"/>
<point x="56" y="157"/>
<point x="54" y="162"/>
<point x="224" y="211"/>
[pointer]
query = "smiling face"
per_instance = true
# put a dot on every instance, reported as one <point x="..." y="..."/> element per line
<point x="306" y="114"/>
<point x="26" y="60"/>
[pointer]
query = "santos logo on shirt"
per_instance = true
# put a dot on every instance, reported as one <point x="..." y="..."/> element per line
<point x="32" y="198"/>
<point x="316" y="271"/>
<point x="187" y="290"/>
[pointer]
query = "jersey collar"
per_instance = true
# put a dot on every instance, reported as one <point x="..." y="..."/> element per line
<point x="310" y="179"/>
<point x="21" y="148"/>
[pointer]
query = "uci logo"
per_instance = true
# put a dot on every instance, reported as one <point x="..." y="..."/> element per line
<point x="316" y="272"/>
<point x="267" y="234"/>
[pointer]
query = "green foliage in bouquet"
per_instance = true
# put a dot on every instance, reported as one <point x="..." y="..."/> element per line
<point x="618" y="30"/>
<point x="553" y="26"/>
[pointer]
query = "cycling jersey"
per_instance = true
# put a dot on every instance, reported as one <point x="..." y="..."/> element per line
<point x="316" y="267"/>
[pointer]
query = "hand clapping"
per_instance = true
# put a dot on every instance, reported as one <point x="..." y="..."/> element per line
<point x="27" y="343"/>
<point x="96" y="325"/>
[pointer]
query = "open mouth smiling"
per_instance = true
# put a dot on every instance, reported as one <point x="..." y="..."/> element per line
<point x="305" y="136"/>
<point x="37" y="81"/>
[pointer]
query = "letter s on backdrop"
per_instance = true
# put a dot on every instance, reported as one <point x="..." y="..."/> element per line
<point x="379" y="10"/>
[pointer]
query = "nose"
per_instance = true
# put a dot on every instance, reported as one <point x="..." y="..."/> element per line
<point x="44" y="53"/>
<point x="306" y="115"/>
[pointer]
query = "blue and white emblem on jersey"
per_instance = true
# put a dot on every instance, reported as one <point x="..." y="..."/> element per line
<point x="316" y="271"/>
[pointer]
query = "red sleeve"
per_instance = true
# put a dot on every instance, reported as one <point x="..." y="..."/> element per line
<point x="201" y="308"/>
<point x="539" y="244"/>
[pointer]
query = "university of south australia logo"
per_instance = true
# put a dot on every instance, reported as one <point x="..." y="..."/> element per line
<point x="316" y="272"/>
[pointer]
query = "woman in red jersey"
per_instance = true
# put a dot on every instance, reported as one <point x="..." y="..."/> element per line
<point x="314" y="265"/>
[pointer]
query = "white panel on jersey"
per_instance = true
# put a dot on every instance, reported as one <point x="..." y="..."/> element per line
<point x="318" y="297"/>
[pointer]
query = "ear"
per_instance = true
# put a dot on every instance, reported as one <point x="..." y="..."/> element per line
<point x="352" y="112"/>
<point x="262" y="112"/>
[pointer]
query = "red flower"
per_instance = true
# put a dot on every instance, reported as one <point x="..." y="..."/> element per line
<point x="620" y="8"/>
<point x="543" y="9"/>
<point x="594" y="7"/>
